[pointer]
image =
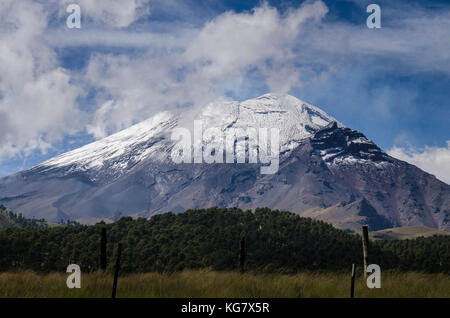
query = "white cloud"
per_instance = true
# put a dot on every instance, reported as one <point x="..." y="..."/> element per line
<point x="37" y="100"/>
<point x="236" y="42"/>
<point x="434" y="160"/>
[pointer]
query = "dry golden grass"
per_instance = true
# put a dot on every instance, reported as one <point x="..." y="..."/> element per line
<point x="204" y="283"/>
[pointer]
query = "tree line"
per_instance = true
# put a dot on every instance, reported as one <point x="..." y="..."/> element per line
<point x="276" y="241"/>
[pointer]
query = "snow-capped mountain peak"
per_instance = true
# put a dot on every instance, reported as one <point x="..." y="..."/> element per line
<point x="150" y="138"/>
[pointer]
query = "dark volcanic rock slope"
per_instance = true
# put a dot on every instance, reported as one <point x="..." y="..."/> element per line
<point x="327" y="171"/>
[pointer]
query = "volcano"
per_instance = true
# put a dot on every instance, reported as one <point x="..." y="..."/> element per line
<point x="326" y="171"/>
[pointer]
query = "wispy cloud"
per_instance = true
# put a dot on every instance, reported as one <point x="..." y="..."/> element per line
<point x="118" y="14"/>
<point x="64" y="38"/>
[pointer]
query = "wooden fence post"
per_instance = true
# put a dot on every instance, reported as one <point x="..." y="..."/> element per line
<point x="116" y="270"/>
<point x="352" y="285"/>
<point x="103" y="249"/>
<point x="365" y="242"/>
<point x="242" y="255"/>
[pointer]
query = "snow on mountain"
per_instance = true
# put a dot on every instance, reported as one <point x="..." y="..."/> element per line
<point x="347" y="146"/>
<point x="93" y="155"/>
<point x="294" y="118"/>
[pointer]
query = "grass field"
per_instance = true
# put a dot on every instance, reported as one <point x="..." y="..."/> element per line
<point x="203" y="283"/>
<point x="406" y="232"/>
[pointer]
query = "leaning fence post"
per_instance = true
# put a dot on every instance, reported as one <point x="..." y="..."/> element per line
<point x="103" y="249"/>
<point x="365" y="242"/>
<point x="116" y="270"/>
<point x="352" y="285"/>
<point x="242" y="255"/>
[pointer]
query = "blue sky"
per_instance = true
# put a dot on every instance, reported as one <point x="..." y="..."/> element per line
<point x="61" y="88"/>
